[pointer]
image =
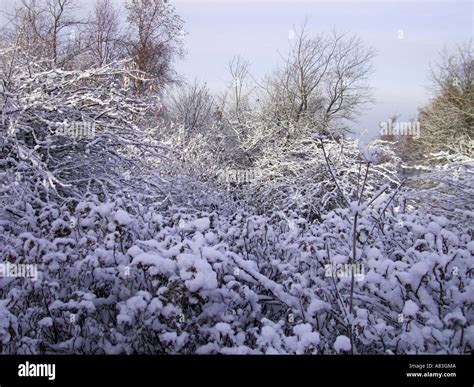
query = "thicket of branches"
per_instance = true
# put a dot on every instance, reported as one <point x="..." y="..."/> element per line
<point x="170" y="220"/>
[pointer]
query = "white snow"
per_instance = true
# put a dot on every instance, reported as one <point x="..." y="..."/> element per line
<point x="161" y="264"/>
<point x="200" y="225"/>
<point x="342" y="344"/>
<point x="410" y="309"/>
<point x="196" y="272"/>
<point x="123" y="218"/>
<point x="46" y="322"/>
<point x="175" y="261"/>
<point x="372" y="154"/>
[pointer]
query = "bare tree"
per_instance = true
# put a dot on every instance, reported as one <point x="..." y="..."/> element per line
<point x="323" y="79"/>
<point x="26" y="29"/>
<point x="239" y="72"/>
<point x="104" y="33"/>
<point x="447" y="123"/>
<point x="192" y="107"/>
<point x="154" y="40"/>
<point x="61" y="29"/>
<point x="47" y="30"/>
<point x="346" y="84"/>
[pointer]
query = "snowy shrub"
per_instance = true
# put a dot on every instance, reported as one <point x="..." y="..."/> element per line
<point x="74" y="132"/>
<point x="126" y="278"/>
<point x="140" y="248"/>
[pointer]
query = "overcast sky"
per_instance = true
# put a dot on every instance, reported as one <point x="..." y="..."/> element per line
<point x="258" y="30"/>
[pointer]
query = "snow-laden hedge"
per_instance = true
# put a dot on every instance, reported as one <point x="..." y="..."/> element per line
<point x="124" y="277"/>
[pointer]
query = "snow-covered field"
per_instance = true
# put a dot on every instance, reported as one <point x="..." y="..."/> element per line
<point x="124" y="230"/>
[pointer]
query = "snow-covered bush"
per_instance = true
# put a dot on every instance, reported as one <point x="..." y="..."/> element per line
<point x="140" y="246"/>
<point x="316" y="175"/>
<point x="128" y="276"/>
<point x="445" y="188"/>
